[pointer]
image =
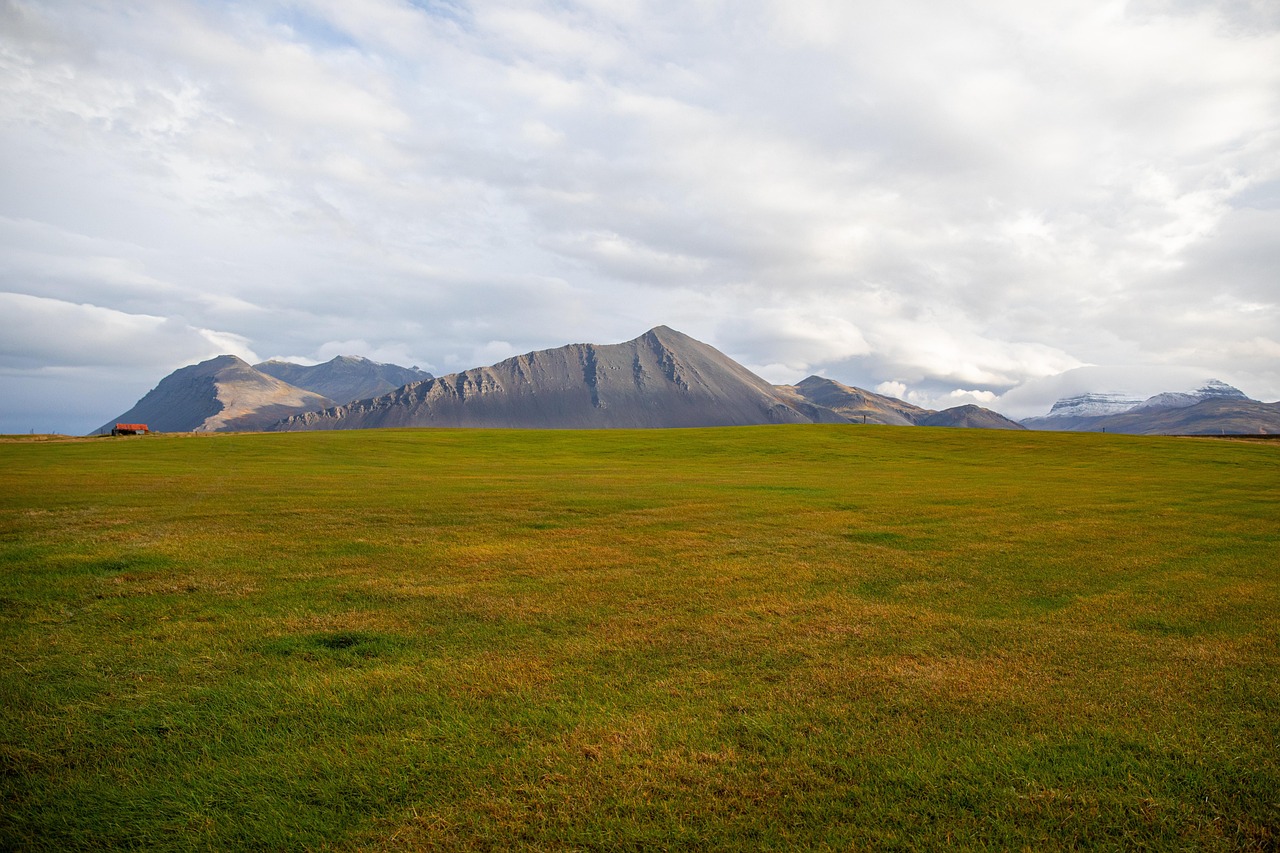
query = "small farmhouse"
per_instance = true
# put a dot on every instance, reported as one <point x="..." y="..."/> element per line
<point x="129" y="429"/>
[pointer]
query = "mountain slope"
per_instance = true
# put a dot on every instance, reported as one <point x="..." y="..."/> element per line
<point x="1214" y="416"/>
<point x="856" y="404"/>
<point x="1211" y="390"/>
<point x="1092" y="404"/>
<point x="1213" y="408"/>
<point x="344" y="378"/>
<point x="973" y="417"/>
<point x="661" y="379"/>
<point x="223" y="394"/>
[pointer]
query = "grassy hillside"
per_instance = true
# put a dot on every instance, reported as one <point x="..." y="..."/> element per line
<point x="750" y="638"/>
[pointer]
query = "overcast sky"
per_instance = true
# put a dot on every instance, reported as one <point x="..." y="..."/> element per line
<point x="996" y="202"/>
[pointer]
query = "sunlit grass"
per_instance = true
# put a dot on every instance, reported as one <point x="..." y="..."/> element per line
<point x="741" y="638"/>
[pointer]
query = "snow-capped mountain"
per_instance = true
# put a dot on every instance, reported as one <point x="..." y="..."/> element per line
<point x="1092" y="405"/>
<point x="1212" y="390"/>
<point x="1214" y="407"/>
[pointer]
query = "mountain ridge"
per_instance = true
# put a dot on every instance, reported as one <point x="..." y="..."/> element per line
<point x="663" y="378"/>
<point x="970" y="416"/>
<point x="222" y="394"/>
<point x="857" y="405"/>
<point x="1213" y="408"/>
<point x="344" y="378"/>
<point x="1212" y="416"/>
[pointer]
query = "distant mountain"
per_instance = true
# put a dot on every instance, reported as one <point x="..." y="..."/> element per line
<point x="1211" y="390"/>
<point x="661" y="379"/>
<point x="223" y="394"/>
<point x="858" y="405"/>
<point x="1213" y="416"/>
<point x="973" y="417"/>
<point x="1212" y="409"/>
<point x="344" y="378"/>
<point x="1092" y="405"/>
<point x="855" y="404"/>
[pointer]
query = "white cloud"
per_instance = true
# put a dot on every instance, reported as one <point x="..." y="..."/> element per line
<point x="615" y="255"/>
<point x="794" y="338"/>
<point x="546" y="34"/>
<point x="892" y="389"/>
<point x="394" y="352"/>
<point x="962" y="397"/>
<point x="491" y="353"/>
<point x="37" y="332"/>
<point x="938" y="400"/>
<point x="1137" y="382"/>
<point x="965" y="198"/>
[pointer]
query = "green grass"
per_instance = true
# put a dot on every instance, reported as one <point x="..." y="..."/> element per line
<point x="753" y="638"/>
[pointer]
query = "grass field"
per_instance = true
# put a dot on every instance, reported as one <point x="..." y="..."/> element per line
<point x="752" y="638"/>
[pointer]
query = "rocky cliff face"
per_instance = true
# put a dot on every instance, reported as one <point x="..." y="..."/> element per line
<point x="223" y="394"/>
<point x="661" y="379"/>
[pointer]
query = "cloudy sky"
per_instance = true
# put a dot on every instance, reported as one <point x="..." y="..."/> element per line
<point x="993" y="201"/>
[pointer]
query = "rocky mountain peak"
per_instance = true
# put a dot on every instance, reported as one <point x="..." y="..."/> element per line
<point x="344" y="377"/>
<point x="1212" y="389"/>
<point x="661" y="379"/>
<point x="1218" y="388"/>
<point x="224" y="393"/>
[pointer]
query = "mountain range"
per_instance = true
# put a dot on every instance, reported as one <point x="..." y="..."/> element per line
<point x="345" y="377"/>
<point x="1213" y="408"/>
<point x="661" y="379"/>
<point x="226" y="394"/>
